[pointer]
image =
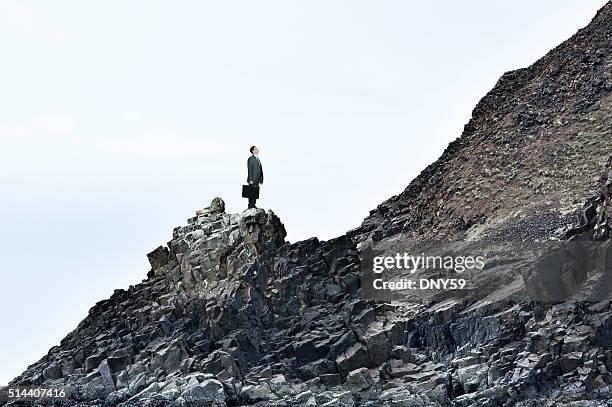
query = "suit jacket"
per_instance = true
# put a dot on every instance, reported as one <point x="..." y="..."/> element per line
<point x="255" y="170"/>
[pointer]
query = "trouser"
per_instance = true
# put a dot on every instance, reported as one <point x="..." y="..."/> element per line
<point x="252" y="200"/>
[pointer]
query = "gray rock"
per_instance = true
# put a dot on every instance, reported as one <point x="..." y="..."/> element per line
<point x="93" y="361"/>
<point x="254" y="393"/>
<point x="209" y="391"/>
<point x="359" y="379"/>
<point x="170" y="357"/>
<point x="52" y="372"/>
<point x="107" y="376"/>
<point x="305" y="351"/>
<point x="158" y="257"/>
<point x="353" y="358"/>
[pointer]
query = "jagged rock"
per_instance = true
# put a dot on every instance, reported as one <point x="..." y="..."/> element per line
<point x="345" y="341"/>
<point x="208" y="392"/>
<point x="305" y="351"/>
<point x="94" y="360"/>
<point x="279" y="386"/>
<point x="221" y="364"/>
<point x="107" y="376"/>
<point x="359" y="379"/>
<point x="52" y="372"/>
<point x="377" y="343"/>
<point x="254" y="393"/>
<point x="148" y="391"/>
<point x="169" y="358"/>
<point x="570" y="361"/>
<point x="353" y="358"/>
<point x="159" y="257"/>
<point x="118" y="361"/>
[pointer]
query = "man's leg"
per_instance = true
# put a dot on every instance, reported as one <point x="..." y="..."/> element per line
<point x="252" y="200"/>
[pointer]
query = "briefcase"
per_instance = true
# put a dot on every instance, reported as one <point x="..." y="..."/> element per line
<point x="250" y="191"/>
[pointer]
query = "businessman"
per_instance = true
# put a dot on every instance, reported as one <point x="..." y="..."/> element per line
<point x="255" y="175"/>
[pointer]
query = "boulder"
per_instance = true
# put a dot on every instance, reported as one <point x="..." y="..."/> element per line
<point x="209" y="392"/>
<point x="359" y="379"/>
<point x="159" y="257"/>
<point x="354" y="357"/>
<point x="52" y="372"/>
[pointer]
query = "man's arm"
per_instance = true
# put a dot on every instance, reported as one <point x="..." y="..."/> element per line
<point x="251" y="170"/>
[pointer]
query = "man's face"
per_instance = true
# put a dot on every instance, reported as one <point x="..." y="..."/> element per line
<point x="255" y="151"/>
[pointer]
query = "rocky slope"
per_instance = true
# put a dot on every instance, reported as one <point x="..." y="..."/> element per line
<point x="535" y="146"/>
<point x="231" y="314"/>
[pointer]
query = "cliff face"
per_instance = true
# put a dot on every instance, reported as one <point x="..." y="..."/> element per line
<point x="231" y="314"/>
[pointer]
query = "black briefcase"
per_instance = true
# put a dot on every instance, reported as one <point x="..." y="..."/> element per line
<point x="250" y="191"/>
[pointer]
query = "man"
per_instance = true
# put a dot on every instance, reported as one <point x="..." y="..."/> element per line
<point x="255" y="175"/>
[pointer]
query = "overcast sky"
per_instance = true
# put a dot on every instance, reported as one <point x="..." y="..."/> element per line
<point x="118" y="119"/>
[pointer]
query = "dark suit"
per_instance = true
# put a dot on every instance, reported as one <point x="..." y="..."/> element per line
<point x="255" y="175"/>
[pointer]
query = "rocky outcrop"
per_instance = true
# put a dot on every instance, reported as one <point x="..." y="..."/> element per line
<point x="231" y="314"/>
<point x="286" y="326"/>
<point x="595" y="219"/>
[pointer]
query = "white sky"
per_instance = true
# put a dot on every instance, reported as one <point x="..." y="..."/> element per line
<point x="119" y="119"/>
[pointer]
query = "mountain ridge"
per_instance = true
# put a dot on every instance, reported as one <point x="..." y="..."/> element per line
<point x="537" y="102"/>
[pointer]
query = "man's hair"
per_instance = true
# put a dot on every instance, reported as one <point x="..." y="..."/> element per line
<point x="251" y="149"/>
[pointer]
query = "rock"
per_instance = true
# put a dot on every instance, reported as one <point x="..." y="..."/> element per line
<point x="279" y="386"/>
<point x="137" y="384"/>
<point x="377" y="343"/>
<point x="216" y="206"/>
<point x="353" y="358"/>
<point x="150" y="390"/>
<point x="107" y="376"/>
<point x="170" y="390"/>
<point x="359" y="379"/>
<point x="158" y="257"/>
<point x="221" y="364"/>
<point x="343" y="343"/>
<point x="570" y="362"/>
<point x="342" y="399"/>
<point x="331" y="379"/>
<point x="253" y="393"/>
<point x="52" y="372"/>
<point x="398" y="368"/>
<point x="94" y="387"/>
<point x="209" y="391"/>
<point x="169" y="358"/>
<point x="306" y="398"/>
<point x="305" y="351"/>
<point x="473" y="376"/>
<point x="118" y="363"/>
<point x="93" y="361"/>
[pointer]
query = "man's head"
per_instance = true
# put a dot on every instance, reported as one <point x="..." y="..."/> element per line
<point x="254" y="150"/>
